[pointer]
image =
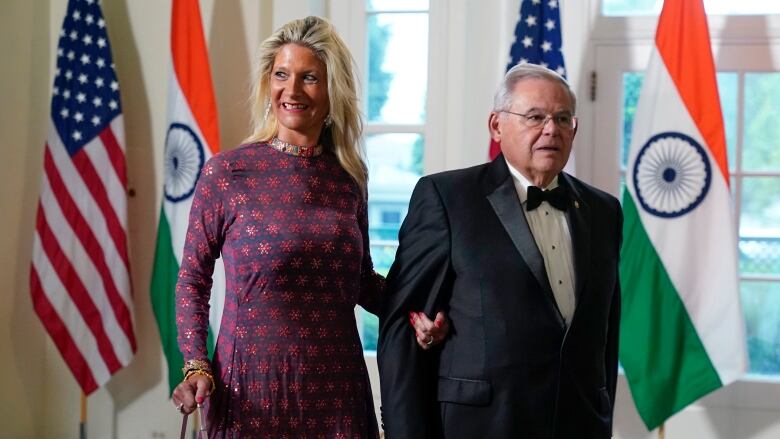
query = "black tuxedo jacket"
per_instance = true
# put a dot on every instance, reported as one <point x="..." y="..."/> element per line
<point x="510" y="367"/>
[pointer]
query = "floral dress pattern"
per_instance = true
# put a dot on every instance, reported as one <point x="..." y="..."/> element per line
<point x="293" y="233"/>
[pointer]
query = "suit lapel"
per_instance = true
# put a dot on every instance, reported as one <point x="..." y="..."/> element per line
<point x="579" y="217"/>
<point x="507" y="206"/>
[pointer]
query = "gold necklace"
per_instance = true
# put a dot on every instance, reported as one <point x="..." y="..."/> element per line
<point x="289" y="148"/>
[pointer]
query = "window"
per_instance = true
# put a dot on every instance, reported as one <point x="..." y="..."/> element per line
<point x="395" y="97"/>
<point x="757" y="178"/>
<point x="721" y="7"/>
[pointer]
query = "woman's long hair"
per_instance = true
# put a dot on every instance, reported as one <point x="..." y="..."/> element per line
<point x="342" y="136"/>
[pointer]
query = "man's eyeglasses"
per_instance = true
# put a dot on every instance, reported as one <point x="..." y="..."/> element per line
<point x="564" y="121"/>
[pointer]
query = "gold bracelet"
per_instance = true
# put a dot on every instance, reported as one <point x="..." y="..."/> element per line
<point x="205" y="373"/>
<point x="195" y="365"/>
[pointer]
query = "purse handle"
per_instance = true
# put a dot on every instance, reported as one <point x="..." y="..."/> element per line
<point x="202" y="431"/>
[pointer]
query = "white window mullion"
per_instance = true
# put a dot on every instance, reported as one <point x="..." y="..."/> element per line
<point x="376" y="128"/>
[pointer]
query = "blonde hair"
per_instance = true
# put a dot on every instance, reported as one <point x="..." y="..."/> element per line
<point x="342" y="136"/>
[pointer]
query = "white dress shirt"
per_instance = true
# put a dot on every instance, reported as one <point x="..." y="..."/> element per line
<point x="551" y="233"/>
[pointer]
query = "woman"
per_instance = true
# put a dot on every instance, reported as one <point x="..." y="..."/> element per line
<point x="287" y="212"/>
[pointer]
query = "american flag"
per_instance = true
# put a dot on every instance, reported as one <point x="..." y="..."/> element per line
<point x="79" y="279"/>
<point x="537" y="40"/>
<point x="538" y="36"/>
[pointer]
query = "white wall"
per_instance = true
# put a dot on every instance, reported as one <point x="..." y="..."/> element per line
<point x="38" y="396"/>
<point x="23" y="107"/>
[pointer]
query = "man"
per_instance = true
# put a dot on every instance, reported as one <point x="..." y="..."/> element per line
<point x="528" y="278"/>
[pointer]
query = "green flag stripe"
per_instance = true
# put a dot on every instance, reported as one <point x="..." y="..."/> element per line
<point x="164" y="275"/>
<point x="663" y="357"/>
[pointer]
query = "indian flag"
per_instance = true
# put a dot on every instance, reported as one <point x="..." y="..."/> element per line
<point x="682" y="333"/>
<point x="192" y="138"/>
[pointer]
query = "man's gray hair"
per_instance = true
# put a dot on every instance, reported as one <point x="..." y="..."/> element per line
<point x="521" y="71"/>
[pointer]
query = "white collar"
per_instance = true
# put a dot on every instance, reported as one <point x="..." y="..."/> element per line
<point x="522" y="183"/>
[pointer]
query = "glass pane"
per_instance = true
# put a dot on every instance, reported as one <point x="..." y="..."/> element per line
<point x="397" y="68"/>
<point x="396" y="5"/>
<point x="762" y="132"/>
<point x="369" y="330"/>
<point x="728" y="88"/>
<point x="759" y="226"/>
<point x="715" y="7"/>
<point x="395" y="163"/>
<point x="761" y="305"/>
<point x="630" y="7"/>
<point x="632" y="86"/>
<point x="394" y="166"/>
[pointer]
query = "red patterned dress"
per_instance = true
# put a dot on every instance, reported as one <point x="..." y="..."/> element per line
<point x="293" y="233"/>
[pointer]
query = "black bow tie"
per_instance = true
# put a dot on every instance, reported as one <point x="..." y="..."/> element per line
<point x="556" y="197"/>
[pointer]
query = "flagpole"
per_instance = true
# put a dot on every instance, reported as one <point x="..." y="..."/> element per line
<point x="661" y="431"/>
<point x="83" y="417"/>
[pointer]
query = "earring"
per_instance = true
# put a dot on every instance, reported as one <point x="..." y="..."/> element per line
<point x="328" y="121"/>
<point x="267" y="109"/>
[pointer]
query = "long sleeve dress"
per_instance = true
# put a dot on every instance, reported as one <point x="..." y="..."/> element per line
<point x="293" y="233"/>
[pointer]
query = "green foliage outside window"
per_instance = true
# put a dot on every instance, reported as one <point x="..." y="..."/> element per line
<point x="379" y="79"/>
<point x="632" y="85"/>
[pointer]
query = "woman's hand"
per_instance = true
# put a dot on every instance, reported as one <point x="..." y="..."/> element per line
<point x="429" y="333"/>
<point x="191" y="392"/>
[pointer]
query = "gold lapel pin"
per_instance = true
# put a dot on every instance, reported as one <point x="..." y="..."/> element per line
<point x="576" y="204"/>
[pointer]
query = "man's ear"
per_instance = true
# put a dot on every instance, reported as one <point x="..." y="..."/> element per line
<point x="494" y="126"/>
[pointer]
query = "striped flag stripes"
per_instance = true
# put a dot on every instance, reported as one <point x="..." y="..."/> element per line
<point x="80" y="277"/>
<point x="192" y="138"/>
<point x="682" y="333"/>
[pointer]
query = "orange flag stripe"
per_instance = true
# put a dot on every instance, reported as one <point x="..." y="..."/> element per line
<point x="683" y="40"/>
<point x="191" y="64"/>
